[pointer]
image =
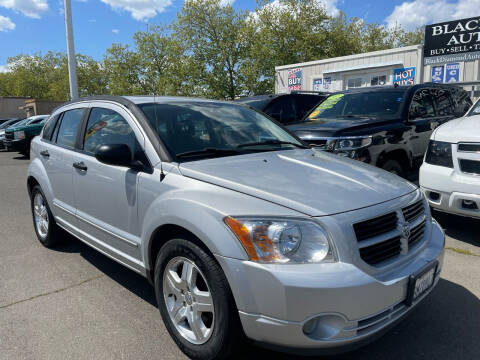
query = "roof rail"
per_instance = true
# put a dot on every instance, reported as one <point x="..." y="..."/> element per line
<point x="309" y="92"/>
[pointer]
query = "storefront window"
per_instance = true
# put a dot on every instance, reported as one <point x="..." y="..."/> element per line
<point x="378" y="80"/>
<point x="354" y="83"/>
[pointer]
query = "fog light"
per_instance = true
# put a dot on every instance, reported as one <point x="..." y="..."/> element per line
<point x="434" y="196"/>
<point x="324" y="327"/>
<point x="469" y="205"/>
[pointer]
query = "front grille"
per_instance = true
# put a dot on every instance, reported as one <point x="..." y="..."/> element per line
<point x="416" y="234"/>
<point x="470" y="166"/>
<point x="374" y="227"/>
<point x="413" y="211"/>
<point x="380" y="252"/>
<point x="385" y="237"/>
<point x="9" y="136"/>
<point x="469" y="147"/>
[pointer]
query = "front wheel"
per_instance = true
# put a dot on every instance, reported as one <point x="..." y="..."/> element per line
<point x="195" y="301"/>
<point x="394" y="167"/>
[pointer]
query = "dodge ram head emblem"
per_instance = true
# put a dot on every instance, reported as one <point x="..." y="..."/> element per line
<point x="405" y="235"/>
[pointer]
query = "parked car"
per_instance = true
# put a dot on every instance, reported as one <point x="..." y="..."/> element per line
<point x="3" y="126"/>
<point x="19" y="136"/>
<point x="386" y="126"/>
<point x="240" y="227"/>
<point x="475" y="109"/>
<point x="449" y="175"/>
<point x="285" y="108"/>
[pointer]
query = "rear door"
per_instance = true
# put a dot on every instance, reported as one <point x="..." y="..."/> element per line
<point x="106" y="196"/>
<point x="56" y="152"/>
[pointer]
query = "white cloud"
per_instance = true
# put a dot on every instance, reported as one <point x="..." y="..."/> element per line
<point x="115" y="31"/>
<point x="5" y="25"/>
<point x="413" y="14"/>
<point x="30" y="8"/>
<point x="4" y="68"/>
<point x="140" y="9"/>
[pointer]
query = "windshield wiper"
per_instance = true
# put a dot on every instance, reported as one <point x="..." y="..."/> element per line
<point x="272" y="142"/>
<point x="207" y="152"/>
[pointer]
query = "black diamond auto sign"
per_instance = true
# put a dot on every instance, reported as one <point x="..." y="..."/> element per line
<point x="457" y="40"/>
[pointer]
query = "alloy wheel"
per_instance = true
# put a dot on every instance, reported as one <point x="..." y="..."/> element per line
<point x="40" y="213"/>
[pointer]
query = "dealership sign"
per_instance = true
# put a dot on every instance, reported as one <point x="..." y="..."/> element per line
<point x="295" y="79"/>
<point x="437" y="74"/>
<point x="404" y="76"/>
<point x="457" y="40"/>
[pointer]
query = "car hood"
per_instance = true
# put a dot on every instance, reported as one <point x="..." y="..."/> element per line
<point x="311" y="182"/>
<point x="331" y="127"/>
<point x="464" y="129"/>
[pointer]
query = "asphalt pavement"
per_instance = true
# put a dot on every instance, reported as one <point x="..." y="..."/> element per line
<point x="74" y="303"/>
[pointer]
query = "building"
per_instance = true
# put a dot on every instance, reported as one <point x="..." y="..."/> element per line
<point x="450" y="55"/>
<point x="11" y="106"/>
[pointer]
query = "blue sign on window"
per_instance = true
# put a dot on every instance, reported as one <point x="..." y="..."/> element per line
<point x="452" y="73"/>
<point x="437" y="74"/>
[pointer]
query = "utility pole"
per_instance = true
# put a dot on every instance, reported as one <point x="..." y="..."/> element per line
<point x="72" y="63"/>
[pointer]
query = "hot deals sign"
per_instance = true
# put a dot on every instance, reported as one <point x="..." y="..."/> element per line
<point x="404" y="76"/>
<point x="457" y="40"/>
<point x="295" y="79"/>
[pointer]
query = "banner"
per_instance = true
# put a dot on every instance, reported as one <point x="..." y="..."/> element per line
<point x="437" y="74"/>
<point x="295" y="79"/>
<point x="317" y="84"/>
<point x="457" y="40"/>
<point x="452" y="73"/>
<point x="404" y="76"/>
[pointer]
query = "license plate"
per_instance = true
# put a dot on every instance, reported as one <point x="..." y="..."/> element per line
<point x="421" y="282"/>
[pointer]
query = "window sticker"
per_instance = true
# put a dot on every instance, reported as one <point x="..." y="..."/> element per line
<point x="330" y="102"/>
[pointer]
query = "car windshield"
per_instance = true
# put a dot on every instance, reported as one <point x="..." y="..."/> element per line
<point x="195" y="130"/>
<point x="375" y="104"/>
<point x="35" y="120"/>
<point x="475" y="109"/>
<point x="8" y="123"/>
<point x="20" y="123"/>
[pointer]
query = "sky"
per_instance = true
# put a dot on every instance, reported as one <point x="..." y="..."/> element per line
<point x="31" y="26"/>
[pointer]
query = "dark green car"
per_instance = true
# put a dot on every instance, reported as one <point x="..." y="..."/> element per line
<point x="19" y="136"/>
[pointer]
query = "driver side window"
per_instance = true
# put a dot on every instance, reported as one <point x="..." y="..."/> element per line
<point x="421" y="106"/>
<point x="105" y="127"/>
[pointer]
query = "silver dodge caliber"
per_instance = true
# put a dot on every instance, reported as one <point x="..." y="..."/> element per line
<point x="243" y="230"/>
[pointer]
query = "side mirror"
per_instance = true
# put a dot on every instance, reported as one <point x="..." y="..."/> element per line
<point x="117" y="155"/>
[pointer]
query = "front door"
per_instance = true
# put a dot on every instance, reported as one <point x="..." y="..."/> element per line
<point x="106" y="196"/>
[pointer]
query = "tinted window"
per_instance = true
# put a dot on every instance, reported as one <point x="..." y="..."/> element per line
<point x="195" y="126"/>
<point x="461" y="100"/>
<point x="49" y="127"/>
<point x="376" y="104"/>
<point x="282" y="109"/>
<point x="421" y="105"/>
<point x="256" y="102"/>
<point x="68" y="129"/>
<point x="442" y="102"/>
<point x="105" y="127"/>
<point x="305" y="103"/>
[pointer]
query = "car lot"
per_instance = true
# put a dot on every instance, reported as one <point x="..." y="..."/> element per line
<point x="75" y="303"/>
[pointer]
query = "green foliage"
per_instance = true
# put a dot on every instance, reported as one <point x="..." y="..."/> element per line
<point x="209" y="50"/>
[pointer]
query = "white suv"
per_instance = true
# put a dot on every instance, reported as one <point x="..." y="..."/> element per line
<point x="450" y="174"/>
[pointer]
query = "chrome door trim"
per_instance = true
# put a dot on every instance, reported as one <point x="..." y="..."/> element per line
<point x="129" y="242"/>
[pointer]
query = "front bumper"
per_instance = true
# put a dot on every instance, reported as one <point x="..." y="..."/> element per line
<point x="446" y="189"/>
<point x="19" y="145"/>
<point x="278" y="302"/>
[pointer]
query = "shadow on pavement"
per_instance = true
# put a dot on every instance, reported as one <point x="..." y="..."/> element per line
<point x="21" y="157"/>
<point x="444" y="326"/>
<point x="459" y="227"/>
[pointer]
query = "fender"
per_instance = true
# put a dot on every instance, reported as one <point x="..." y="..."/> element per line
<point x="195" y="217"/>
<point x="38" y="172"/>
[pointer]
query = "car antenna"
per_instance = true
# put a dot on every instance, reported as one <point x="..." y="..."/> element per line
<point x="162" y="174"/>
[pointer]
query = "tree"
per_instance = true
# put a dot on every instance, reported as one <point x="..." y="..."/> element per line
<point x="122" y="70"/>
<point x="212" y="34"/>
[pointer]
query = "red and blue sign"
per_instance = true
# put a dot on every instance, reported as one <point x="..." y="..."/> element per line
<point x="295" y="79"/>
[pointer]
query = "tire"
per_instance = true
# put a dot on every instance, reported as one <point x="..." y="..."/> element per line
<point x="394" y="167"/>
<point x="49" y="237"/>
<point x="224" y="333"/>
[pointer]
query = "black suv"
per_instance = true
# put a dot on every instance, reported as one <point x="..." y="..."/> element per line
<point x="285" y="108"/>
<point x="388" y="126"/>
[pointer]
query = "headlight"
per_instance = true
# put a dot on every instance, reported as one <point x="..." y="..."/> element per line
<point x="439" y="153"/>
<point x="19" y="135"/>
<point x="352" y="143"/>
<point x="282" y="240"/>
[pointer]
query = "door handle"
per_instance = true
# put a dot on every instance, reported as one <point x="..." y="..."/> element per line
<point x="80" y="166"/>
<point x="45" y="153"/>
